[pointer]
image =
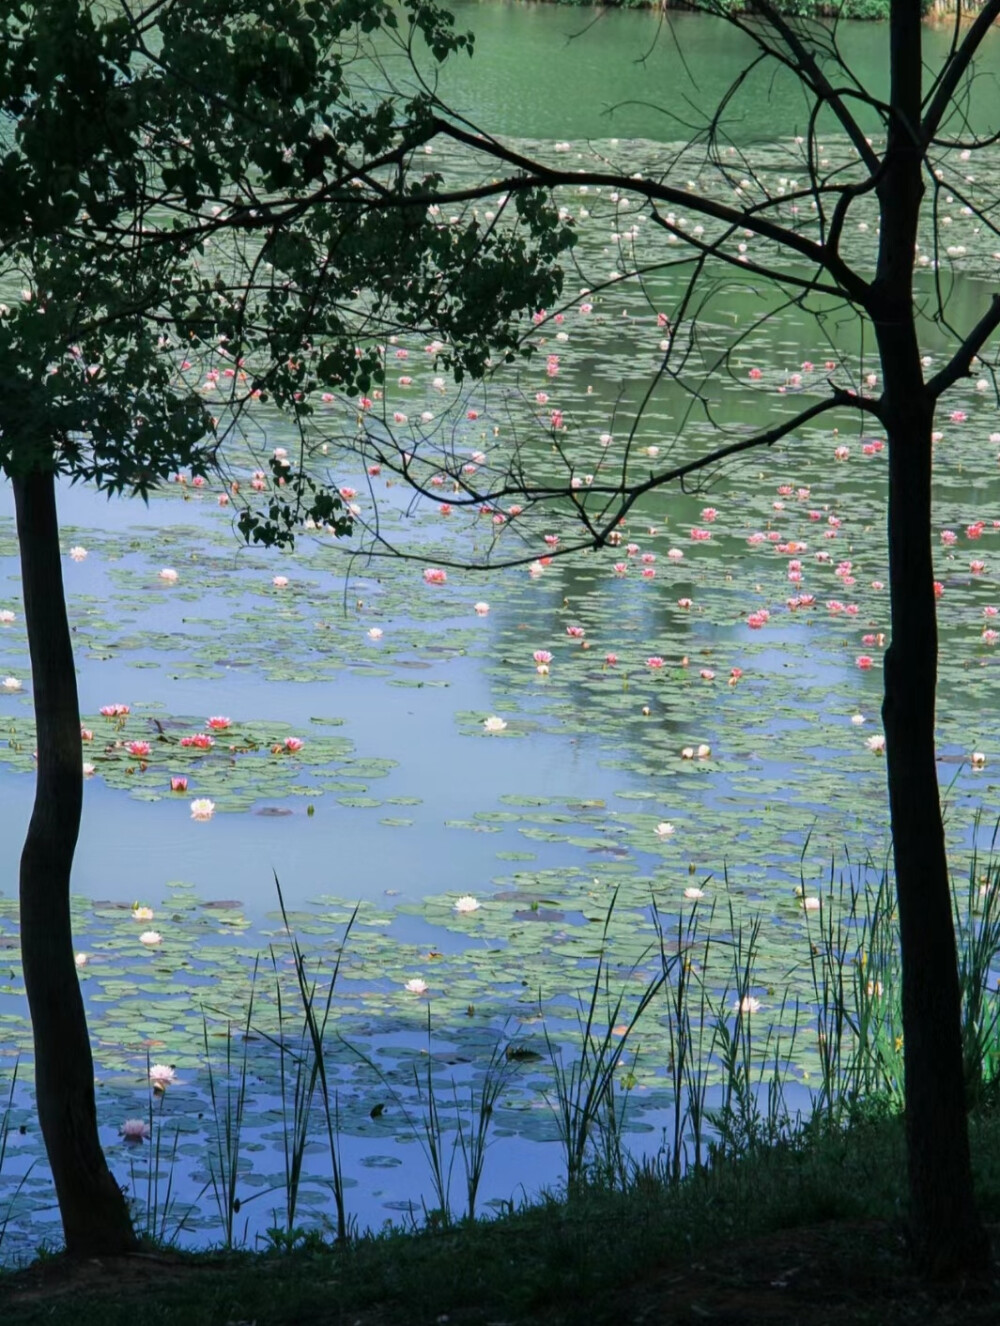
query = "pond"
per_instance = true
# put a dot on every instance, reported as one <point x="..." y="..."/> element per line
<point x="683" y="726"/>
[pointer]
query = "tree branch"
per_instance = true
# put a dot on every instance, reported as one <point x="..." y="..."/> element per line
<point x="956" y="67"/>
<point x="960" y="364"/>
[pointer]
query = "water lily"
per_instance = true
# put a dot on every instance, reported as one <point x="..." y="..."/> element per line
<point x="169" y="575"/>
<point x="416" y="986"/>
<point x="434" y="575"/>
<point x="141" y="913"/>
<point x="467" y="903"/>
<point x="11" y="684"/>
<point x="161" y="1076"/>
<point x="151" y="938"/>
<point x="375" y="633"/>
<point x="138" y="748"/>
<point x="78" y="554"/>
<point x="293" y="745"/>
<point x="664" y="829"/>
<point x="6" y="616"/>
<point x="748" y="1004"/>
<point x="494" y="724"/>
<point x="178" y="783"/>
<point x="693" y="893"/>
<point x="219" y="722"/>
<point x="89" y="769"/>
<point x="481" y="609"/>
<point x="134" y="1130"/>
<point x="202" y="808"/>
<point x="876" y="744"/>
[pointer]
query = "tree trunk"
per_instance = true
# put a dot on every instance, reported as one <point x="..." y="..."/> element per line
<point x="947" y="1233"/>
<point x="94" y="1212"/>
<point x="948" y="1236"/>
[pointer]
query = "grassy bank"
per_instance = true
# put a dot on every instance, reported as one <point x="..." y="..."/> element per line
<point x="806" y="1231"/>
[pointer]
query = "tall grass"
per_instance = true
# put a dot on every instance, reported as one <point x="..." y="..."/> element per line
<point x="229" y="1101"/>
<point x="5" y="1127"/>
<point x="305" y="1060"/>
<point x="482" y="1103"/>
<point x="734" y="1047"/>
<point x="977" y="928"/>
<point x="470" y="1138"/>
<point x="584" y="1088"/>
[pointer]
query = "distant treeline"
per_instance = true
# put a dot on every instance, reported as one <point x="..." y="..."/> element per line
<point x="865" y="9"/>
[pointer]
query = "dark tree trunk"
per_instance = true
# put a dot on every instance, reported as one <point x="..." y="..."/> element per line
<point x="94" y="1212"/>
<point x="947" y="1233"/>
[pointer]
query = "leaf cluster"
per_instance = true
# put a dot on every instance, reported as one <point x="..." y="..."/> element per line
<point x="211" y="204"/>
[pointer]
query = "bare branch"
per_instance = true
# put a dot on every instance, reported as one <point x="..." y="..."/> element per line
<point x="818" y="83"/>
<point x="957" y="65"/>
<point x="960" y="364"/>
<point x="539" y="175"/>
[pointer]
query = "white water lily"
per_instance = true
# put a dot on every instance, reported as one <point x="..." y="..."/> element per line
<point x="494" y="724"/>
<point x="748" y="1004"/>
<point x="161" y="1075"/>
<point x="876" y="744"/>
<point x="151" y="937"/>
<point x="693" y="893"/>
<point x="664" y="829"/>
<point x="416" y="986"/>
<point x="11" y="684"/>
<point x="202" y="808"/>
<point x="467" y="903"/>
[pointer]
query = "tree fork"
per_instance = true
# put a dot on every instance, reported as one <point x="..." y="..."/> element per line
<point x="94" y="1211"/>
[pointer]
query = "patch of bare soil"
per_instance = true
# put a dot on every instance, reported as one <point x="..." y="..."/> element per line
<point x="836" y="1272"/>
<point x="54" y="1278"/>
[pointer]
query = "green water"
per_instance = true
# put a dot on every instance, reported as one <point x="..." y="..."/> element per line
<point x="543" y="71"/>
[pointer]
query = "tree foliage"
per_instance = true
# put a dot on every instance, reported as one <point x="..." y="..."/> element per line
<point x="192" y="190"/>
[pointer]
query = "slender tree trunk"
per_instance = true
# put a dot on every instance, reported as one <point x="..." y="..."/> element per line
<point x="947" y="1233"/>
<point x="948" y="1236"/>
<point x="94" y="1212"/>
